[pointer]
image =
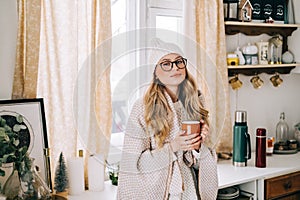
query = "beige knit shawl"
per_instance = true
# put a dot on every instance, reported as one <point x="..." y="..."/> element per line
<point x="146" y="171"/>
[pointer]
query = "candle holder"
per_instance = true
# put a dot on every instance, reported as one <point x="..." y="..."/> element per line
<point x="275" y="50"/>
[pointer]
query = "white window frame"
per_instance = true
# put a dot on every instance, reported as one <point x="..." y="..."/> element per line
<point x="154" y="11"/>
<point x="148" y="10"/>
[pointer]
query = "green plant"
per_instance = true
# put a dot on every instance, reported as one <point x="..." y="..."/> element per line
<point x="12" y="150"/>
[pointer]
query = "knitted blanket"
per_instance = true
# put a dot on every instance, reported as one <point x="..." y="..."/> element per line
<point x="148" y="172"/>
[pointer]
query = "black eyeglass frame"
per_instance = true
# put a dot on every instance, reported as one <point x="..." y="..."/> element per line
<point x="174" y="62"/>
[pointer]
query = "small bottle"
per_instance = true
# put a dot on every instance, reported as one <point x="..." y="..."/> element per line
<point x="282" y="130"/>
<point x="260" y="156"/>
<point x="270" y="145"/>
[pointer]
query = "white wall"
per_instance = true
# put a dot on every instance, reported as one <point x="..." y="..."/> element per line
<point x="8" y="35"/>
<point x="264" y="105"/>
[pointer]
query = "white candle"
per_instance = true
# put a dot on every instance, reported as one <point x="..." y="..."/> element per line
<point x="96" y="173"/>
<point x="76" y="176"/>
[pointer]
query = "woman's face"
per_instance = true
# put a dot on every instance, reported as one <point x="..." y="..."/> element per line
<point x="171" y="70"/>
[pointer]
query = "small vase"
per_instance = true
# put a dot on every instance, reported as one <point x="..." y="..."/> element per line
<point x="12" y="185"/>
<point x="33" y="187"/>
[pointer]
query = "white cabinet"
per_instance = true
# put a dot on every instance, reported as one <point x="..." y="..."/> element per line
<point x="251" y="178"/>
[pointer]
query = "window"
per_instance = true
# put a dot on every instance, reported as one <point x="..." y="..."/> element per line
<point x="165" y="14"/>
<point x="120" y="66"/>
<point x="127" y="74"/>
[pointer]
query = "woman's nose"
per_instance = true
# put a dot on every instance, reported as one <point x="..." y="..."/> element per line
<point x="174" y="67"/>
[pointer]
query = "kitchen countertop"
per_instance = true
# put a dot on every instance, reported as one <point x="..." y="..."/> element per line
<point x="229" y="175"/>
<point x="277" y="164"/>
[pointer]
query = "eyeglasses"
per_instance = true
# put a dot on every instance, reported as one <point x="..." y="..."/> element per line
<point x="168" y="65"/>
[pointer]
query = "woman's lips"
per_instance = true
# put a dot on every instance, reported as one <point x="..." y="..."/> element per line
<point x="175" y="75"/>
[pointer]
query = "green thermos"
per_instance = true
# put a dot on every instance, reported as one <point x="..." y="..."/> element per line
<point x="241" y="140"/>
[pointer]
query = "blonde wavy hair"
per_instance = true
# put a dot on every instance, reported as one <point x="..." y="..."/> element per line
<point x="158" y="111"/>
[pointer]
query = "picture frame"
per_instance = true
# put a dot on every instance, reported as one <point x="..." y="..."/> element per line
<point x="36" y="139"/>
<point x="231" y="10"/>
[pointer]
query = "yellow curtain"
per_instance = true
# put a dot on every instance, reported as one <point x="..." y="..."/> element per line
<point x="99" y="142"/>
<point x="28" y="44"/>
<point x="208" y="31"/>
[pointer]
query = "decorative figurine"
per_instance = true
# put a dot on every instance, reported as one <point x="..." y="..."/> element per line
<point x="245" y="10"/>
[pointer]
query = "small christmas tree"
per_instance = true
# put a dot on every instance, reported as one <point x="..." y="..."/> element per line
<point x="61" y="176"/>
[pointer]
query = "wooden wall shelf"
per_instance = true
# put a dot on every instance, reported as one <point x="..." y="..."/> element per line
<point x="251" y="28"/>
<point x="254" y="29"/>
<point x="250" y="70"/>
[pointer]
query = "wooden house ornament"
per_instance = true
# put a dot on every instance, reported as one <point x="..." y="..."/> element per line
<point x="245" y="11"/>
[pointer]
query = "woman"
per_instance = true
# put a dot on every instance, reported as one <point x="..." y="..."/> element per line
<point x="159" y="160"/>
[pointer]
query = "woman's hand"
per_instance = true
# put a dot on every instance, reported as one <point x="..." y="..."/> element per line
<point x="204" y="132"/>
<point x="186" y="142"/>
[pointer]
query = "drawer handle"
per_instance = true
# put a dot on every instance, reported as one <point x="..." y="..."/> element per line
<point x="288" y="185"/>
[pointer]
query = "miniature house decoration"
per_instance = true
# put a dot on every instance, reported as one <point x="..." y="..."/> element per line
<point x="245" y="11"/>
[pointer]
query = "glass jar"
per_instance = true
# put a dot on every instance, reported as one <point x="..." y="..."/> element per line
<point x="282" y="130"/>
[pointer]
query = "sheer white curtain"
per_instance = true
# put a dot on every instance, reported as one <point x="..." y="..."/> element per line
<point x="204" y="23"/>
<point x="72" y="76"/>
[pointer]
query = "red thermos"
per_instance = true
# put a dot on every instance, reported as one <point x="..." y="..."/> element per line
<point x="260" y="157"/>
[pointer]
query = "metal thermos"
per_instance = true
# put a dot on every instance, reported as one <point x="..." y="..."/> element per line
<point x="241" y="140"/>
<point x="261" y="143"/>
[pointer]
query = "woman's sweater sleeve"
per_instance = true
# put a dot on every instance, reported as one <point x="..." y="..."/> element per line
<point x="138" y="156"/>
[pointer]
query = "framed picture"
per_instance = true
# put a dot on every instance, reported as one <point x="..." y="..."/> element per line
<point x="29" y="115"/>
<point x="231" y="10"/>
